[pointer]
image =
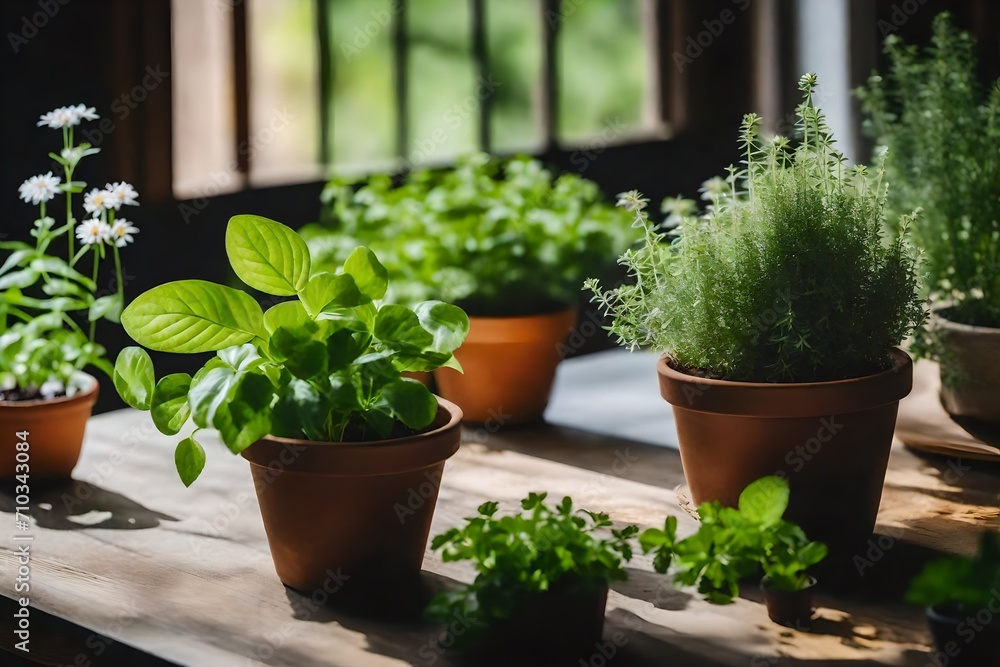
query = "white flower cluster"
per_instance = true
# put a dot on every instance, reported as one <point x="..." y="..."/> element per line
<point x="40" y="189"/>
<point x="67" y="116"/>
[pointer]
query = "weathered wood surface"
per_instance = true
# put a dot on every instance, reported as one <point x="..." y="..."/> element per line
<point x="186" y="575"/>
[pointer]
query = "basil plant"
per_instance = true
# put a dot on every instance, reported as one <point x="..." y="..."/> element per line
<point x="325" y="363"/>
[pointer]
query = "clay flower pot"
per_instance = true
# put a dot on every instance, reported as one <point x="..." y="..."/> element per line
<point x="830" y="440"/>
<point x="55" y="432"/>
<point x="560" y="626"/>
<point x="962" y="636"/>
<point x="970" y="368"/>
<point x="352" y="518"/>
<point x="509" y="364"/>
<point x="790" y="608"/>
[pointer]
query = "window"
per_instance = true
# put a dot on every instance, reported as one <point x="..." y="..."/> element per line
<point x="273" y="91"/>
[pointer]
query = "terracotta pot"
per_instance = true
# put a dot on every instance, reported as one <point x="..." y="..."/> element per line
<point x="962" y="638"/>
<point x="509" y="364"/>
<point x="831" y="440"/>
<point x="790" y="608"/>
<point x="55" y="427"/>
<point x="561" y="626"/>
<point x="970" y="368"/>
<point x="352" y="518"/>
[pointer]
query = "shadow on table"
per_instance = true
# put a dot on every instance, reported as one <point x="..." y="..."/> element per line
<point x="75" y="505"/>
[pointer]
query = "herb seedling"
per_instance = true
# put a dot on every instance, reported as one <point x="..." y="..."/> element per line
<point x="787" y="277"/>
<point x="732" y="544"/>
<point x="518" y="556"/>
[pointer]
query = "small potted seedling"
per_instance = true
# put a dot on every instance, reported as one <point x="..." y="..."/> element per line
<point x="505" y="239"/>
<point x="962" y="596"/>
<point x="311" y="393"/>
<point x="53" y="294"/>
<point x="733" y="544"/>
<point x="542" y="580"/>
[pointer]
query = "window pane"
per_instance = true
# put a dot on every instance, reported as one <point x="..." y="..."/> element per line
<point x="284" y="97"/>
<point x="361" y="97"/>
<point x="514" y="38"/>
<point x="602" y="68"/>
<point x="443" y="93"/>
<point x="203" y="118"/>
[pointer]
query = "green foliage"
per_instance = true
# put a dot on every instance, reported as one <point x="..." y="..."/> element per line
<point x="734" y="543"/>
<point x="787" y="277"/>
<point x="521" y="555"/>
<point x="325" y="366"/>
<point x="969" y="582"/>
<point x="941" y="129"/>
<point x="50" y="306"/>
<point x="498" y="237"/>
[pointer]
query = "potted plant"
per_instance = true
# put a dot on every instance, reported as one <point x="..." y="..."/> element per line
<point x="962" y="596"/>
<point x="777" y="313"/>
<point x="542" y="580"/>
<point x="310" y="393"/>
<point x="941" y="128"/>
<point x="51" y="299"/>
<point x="505" y="240"/>
<point x="732" y="544"/>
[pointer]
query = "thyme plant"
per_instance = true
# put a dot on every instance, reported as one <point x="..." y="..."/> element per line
<point x="942" y="129"/>
<point x="788" y="276"/>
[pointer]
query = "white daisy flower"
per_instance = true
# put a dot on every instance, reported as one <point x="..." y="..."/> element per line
<point x="84" y="112"/>
<point x="60" y="118"/>
<point x="96" y="202"/>
<point x="51" y="388"/>
<point x="93" y="231"/>
<point x="38" y="189"/>
<point x="122" y="231"/>
<point x="120" y="193"/>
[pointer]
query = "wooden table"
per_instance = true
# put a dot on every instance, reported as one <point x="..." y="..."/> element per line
<point x="184" y="576"/>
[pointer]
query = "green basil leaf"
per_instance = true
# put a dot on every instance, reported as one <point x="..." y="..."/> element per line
<point x="193" y="316"/>
<point x="59" y="267"/>
<point x="169" y="407"/>
<point x="301" y="411"/>
<point x="209" y="390"/>
<point x="326" y="290"/>
<point x="411" y="402"/>
<point x="368" y="273"/>
<point x="399" y="328"/>
<point x="447" y="323"/>
<point x="289" y="314"/>
<point x="246" y="417"/>
<point x="267" y="255"/>
<point x="108" y="307"/>
<point x="241" y="357"/>
<point x="134" y="378"/>
<point x="765" y="500"/>
<point x="189" y="457"/>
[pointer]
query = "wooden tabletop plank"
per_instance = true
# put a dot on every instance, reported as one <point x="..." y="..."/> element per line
<point x="186" y="575"/>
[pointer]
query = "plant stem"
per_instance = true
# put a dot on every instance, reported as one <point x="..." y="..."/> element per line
<point x="118" y="274"/>
<point x="93" y="324"/>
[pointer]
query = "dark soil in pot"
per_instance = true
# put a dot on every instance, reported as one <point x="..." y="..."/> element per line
<point x="965" y="637"/>
<point x="793" y="609"/>
<point x="351" y="520"/>
<point x="560" y="627"/>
